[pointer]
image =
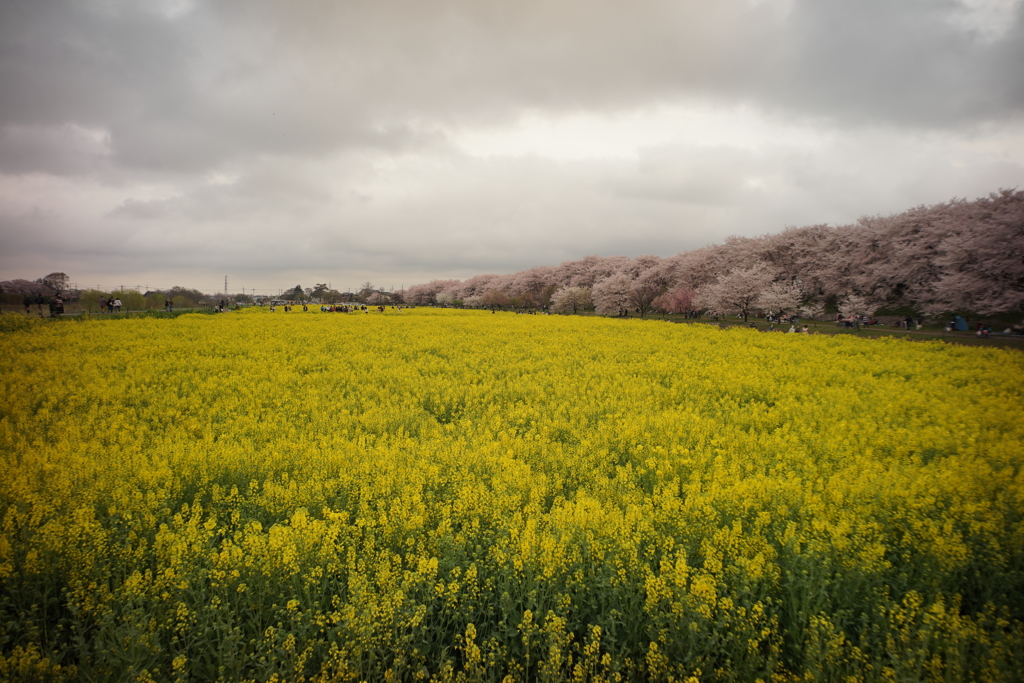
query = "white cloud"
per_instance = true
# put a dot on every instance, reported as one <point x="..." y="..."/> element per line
<point x="624" y="135"/>
<point x="991" y="20"/>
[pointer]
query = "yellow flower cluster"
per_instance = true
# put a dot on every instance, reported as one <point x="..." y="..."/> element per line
<point x="446" y="495"/>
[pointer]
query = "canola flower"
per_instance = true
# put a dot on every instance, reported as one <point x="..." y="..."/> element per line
<point x="461" y="496"/>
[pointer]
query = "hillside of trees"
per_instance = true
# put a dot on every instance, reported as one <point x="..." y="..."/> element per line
<point x="956" y="257"/>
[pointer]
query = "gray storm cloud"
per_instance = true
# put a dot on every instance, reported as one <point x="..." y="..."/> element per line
<point x="182" y="132"/>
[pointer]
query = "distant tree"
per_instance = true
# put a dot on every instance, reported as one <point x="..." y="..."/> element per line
<point x="571" y="299"/>
<point x="813" y="310"/>
<point x="544" y="296"/>
<point x="131" y="300"/>
<point x="318" y="292"/>
<point x="426" y="294"/>
<point x="678" y="300"/>
<point x="612" y="295"/>
<point x="534" y="282"/>
<point x="857" y="305"/>
<point x="90" y="299"/>
<point x="779" y="297"/>
<point x="296" y="293"/>
<point x="642" y="294"/>
<point x="525" y="300"/>
<point x="958" y="255"/>
<point x="182" y="296"/>
<point x="366" y="291"/>
<point x="476" y="285"/>
<point x="58" y="282"/>
<point x="23" y="287"/>
<point x="496" y="298"/>
<point x="981" y="257"/>
<point x="738" y="291"/>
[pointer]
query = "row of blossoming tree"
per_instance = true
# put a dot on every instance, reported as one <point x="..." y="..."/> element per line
<point x="964" y="256"/>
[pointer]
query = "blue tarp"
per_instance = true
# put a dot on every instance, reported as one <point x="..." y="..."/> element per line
<point x="961" y="324"/>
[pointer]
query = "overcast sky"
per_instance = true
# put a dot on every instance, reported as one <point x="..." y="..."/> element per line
<point x="173" y="142"/>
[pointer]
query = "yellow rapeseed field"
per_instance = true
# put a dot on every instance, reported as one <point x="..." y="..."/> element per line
<point x="467" y="496"/>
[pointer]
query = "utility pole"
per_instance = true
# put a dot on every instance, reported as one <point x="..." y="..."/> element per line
<point x="225" y="286"/>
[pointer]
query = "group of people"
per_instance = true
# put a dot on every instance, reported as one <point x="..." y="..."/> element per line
<point x="349" y="308"/>
<point x="28" y="301"/>
<point x="110" y="305"/>
<point x="793" y="329"/>
<point x="54" y="303"/>
<point x="854" y="320"/>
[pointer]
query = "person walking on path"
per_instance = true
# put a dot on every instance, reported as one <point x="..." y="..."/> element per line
<point x="28" y="304"/>
<point x="117" y="305"/>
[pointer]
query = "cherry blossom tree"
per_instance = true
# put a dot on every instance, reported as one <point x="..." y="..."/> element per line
<point x="611" y="295"/>
<point x="475" y="286"/>
<point x="738" y="291"/>
<point x="678" y="300"/>
<point x="795" y="254"/>
<point x="857" y="305"/>
<point x="587" y="271"/>
<point x="618" y="294"/>
<point x="495" y="298"/>
<point x="959" y="255"/>
<point x="779" y="297"/>
<point x="571" y="299"/>
<point x="814" y="310"/>
<point x="981" y="258"/>
<point x="534" y="282"/>
<point x="426" y="294"/>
